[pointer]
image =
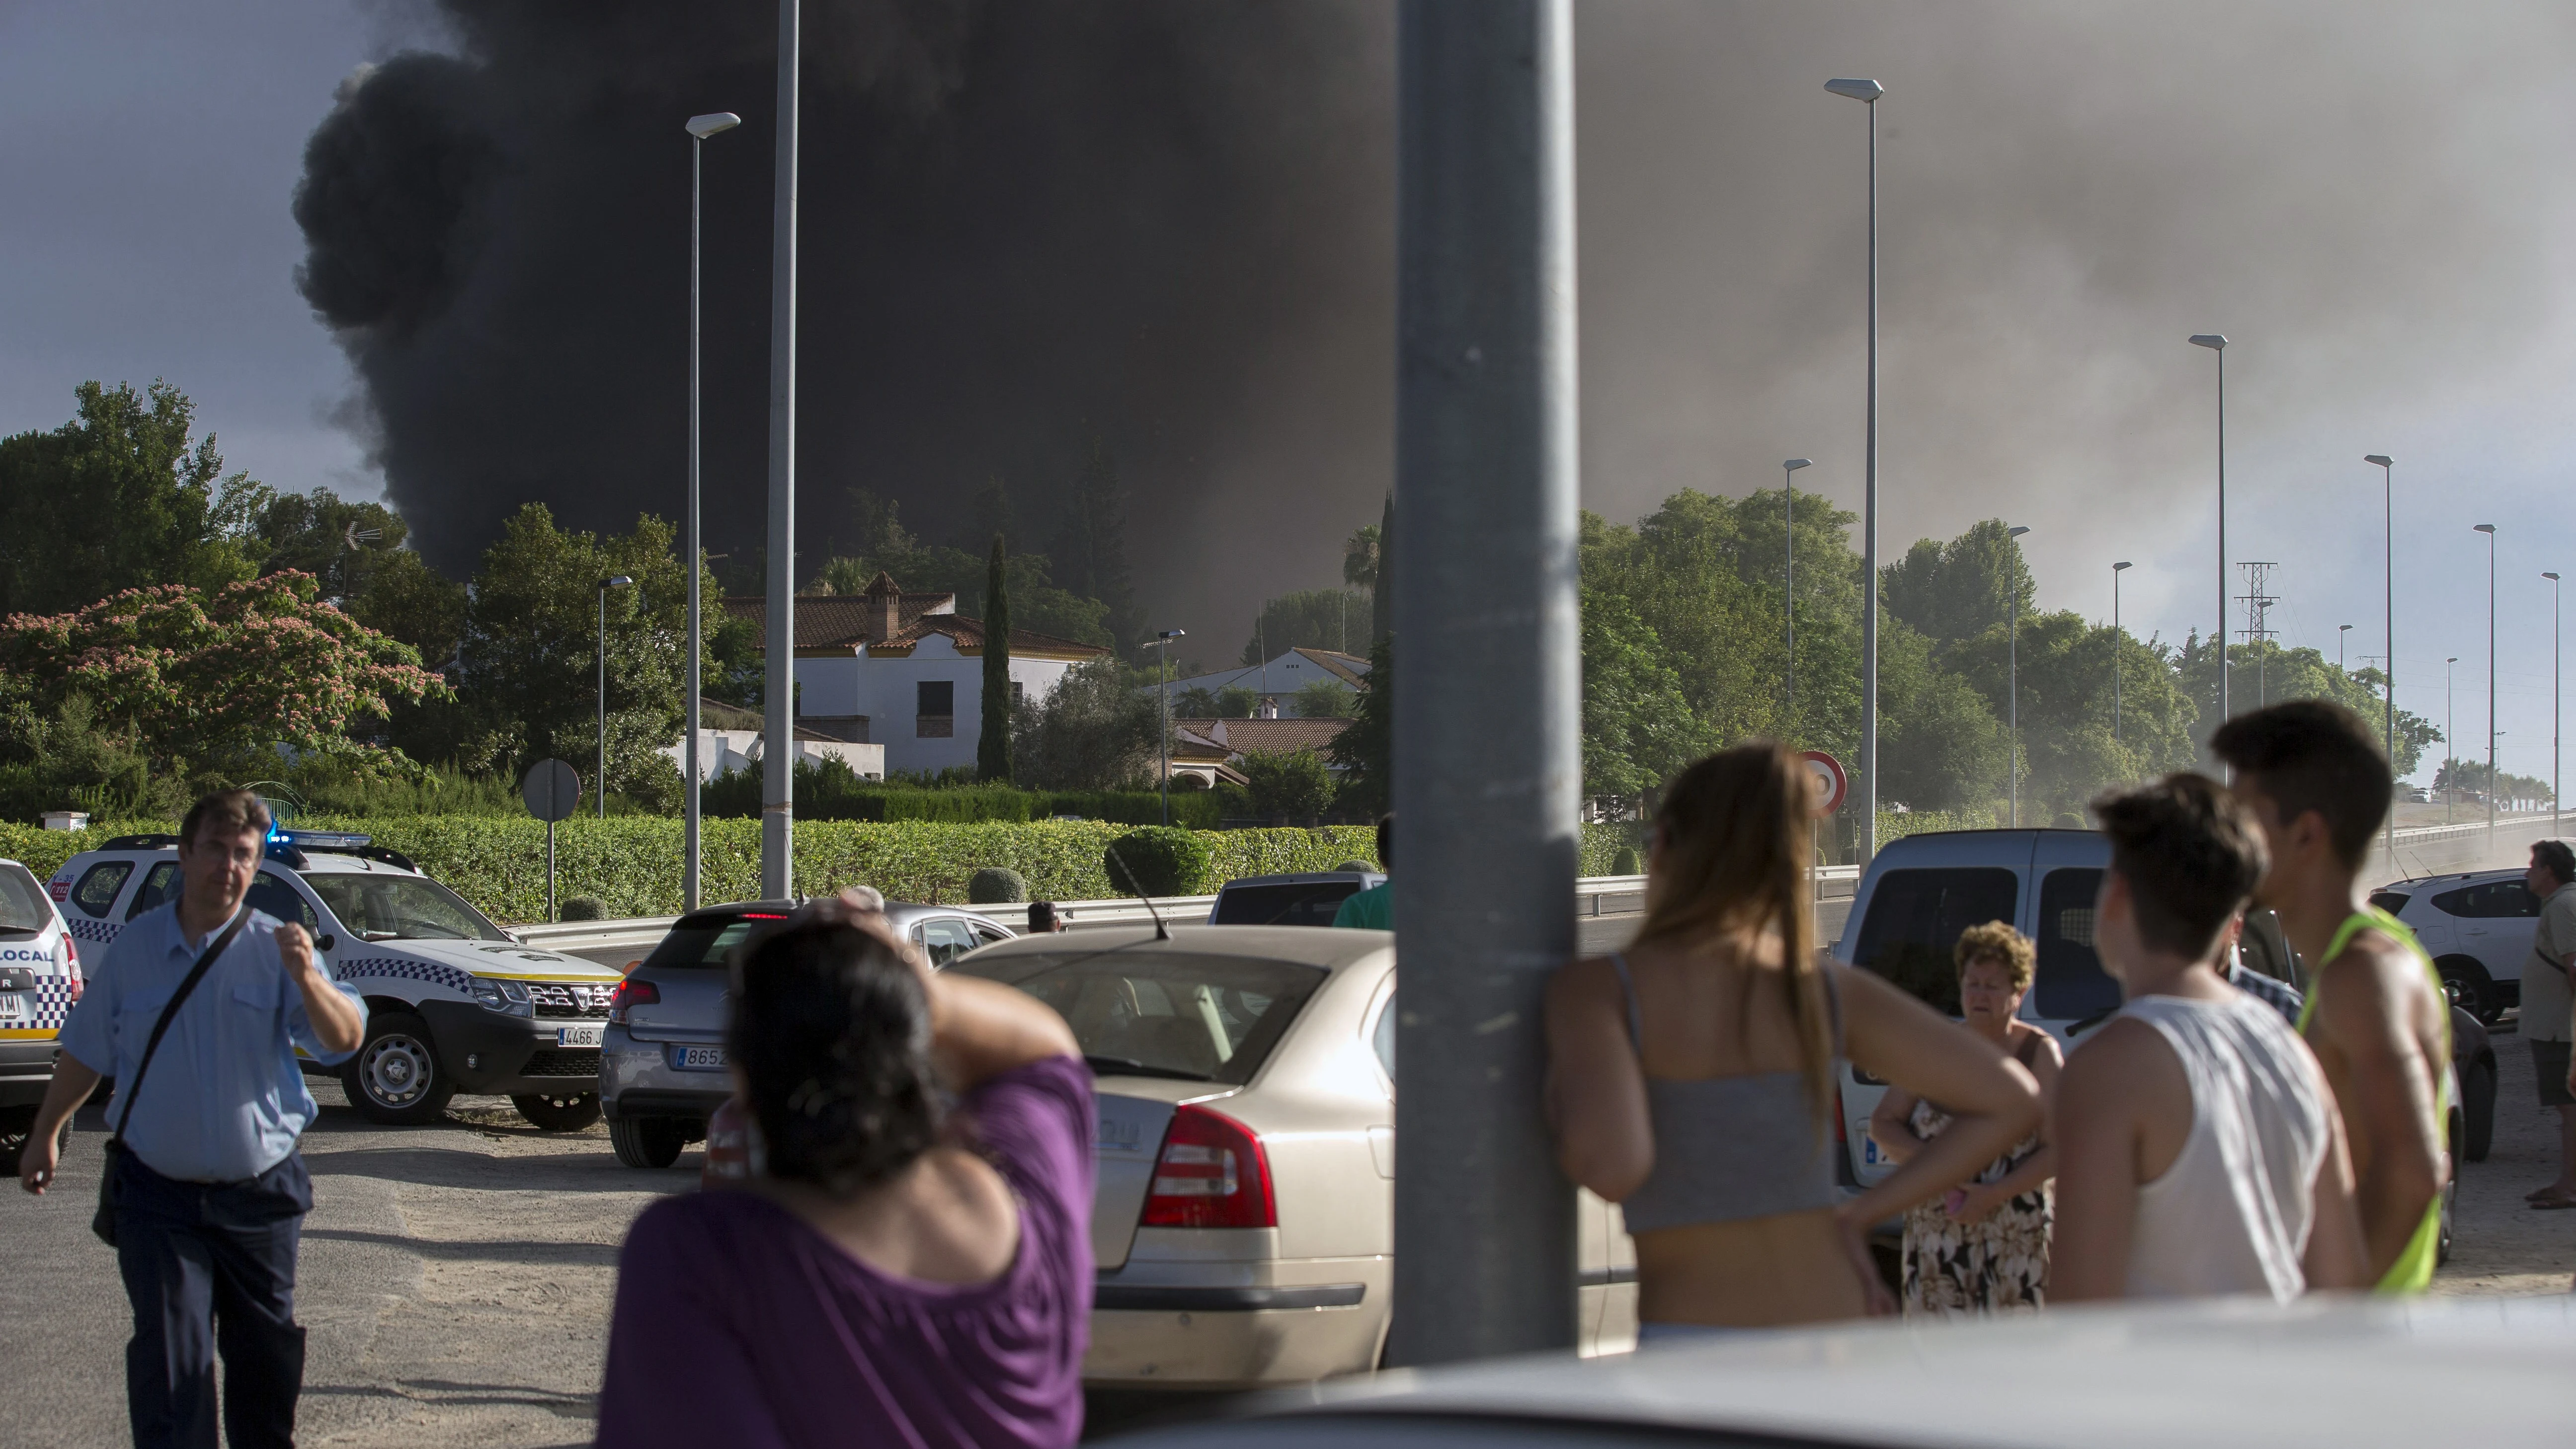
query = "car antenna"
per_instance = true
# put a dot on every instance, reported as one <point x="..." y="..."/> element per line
<point x="1121" y="861"/>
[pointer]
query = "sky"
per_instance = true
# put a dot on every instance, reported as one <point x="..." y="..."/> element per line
<point x="2369" y="200"/>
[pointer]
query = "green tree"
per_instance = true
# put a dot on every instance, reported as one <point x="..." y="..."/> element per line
<point x="2257" y="673"/>
<point x="1382" y="578"/>
<point x="1360" y="557"/>
<point x="119" y="498"/>
<point x="1638" y="730"/>
<point x="1093" y="731"/>
<point x="1365" y="749"/>
<point x="1325" y="699"/>
<point x="2069" y="752"/>
<point x="1292" y="784"/>
<point x="320" y="533"/>
<point x="1332" y="619"/>
<point x="1236" y="702"/>
<point x="1194" y="703"/>
<point x="1037" y="604"/>
<point x="1956" y="591"/>
<point x="993" y="746"/>
<point x="1940" y="747"/>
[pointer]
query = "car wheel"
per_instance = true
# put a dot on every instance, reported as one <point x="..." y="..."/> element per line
<point x="2472" y="990"/>
<point x="645" y="1141"/>
<point x="395" y="1078"/>
<point x="17" y="1129"/>
<point x="2477" y="1106"/>
<point x="565" y="1112"/>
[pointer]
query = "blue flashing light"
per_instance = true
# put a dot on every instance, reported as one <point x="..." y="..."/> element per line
<point x="323" y="839"/>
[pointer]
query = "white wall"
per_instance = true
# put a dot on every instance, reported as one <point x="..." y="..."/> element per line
<point x="721" y="752"/>
<point x="887" y="690"/>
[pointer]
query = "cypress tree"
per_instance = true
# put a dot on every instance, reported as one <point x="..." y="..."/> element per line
<point x="993" y="746"/>
<point x="1382" y="592"/>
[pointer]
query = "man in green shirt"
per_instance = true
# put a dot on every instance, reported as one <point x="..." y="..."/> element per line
<point x="1374" y="909"/>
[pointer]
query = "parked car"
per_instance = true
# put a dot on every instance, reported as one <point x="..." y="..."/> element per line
<point x="2478" y="927"/>
<point x="1243" y="1220"/>
<point x="1921" y="891"/>
<point x="2214" y="1374"/>
<point x="662" y="1060"/>
<point x="40" y="978"/>
<point x="454" y="1003"/>
<point x="1308" y="899"/>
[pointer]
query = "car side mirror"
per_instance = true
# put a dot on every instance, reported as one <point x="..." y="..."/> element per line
<point x="326" y="942"/>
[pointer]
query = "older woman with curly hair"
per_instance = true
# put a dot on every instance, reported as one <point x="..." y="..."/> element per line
<point x="1984" y="1246"/>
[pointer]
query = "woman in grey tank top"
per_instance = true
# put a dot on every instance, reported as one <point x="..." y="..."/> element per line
<point x="1693" y="1077"/>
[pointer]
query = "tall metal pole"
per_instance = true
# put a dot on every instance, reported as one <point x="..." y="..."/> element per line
<point x="2490" y="531"/>
<point x="2388" y="606"/>
<point x="2217" y="342"/>
<point x="693" y="553"/>
<point x="1163" y="642"/>
<point x="2553" y="703"/>
<point x="1487" y="765"/>
<point x="778" y="764"/>
<point x="1789" y="585"/>
<point x="2450" y="740"/>
<point x="601" y="779"/>
<point x="2012" y="674"/>
<point x="2117" y="639"/>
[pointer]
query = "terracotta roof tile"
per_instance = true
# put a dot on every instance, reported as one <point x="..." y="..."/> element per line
<point x="1277" y="736"/>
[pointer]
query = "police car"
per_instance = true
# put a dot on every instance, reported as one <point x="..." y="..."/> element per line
<point x="40" y="978"/>
<point x="454" y="1003"/>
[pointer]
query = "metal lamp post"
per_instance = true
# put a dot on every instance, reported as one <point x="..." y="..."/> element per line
<point x="2553" y="702"/>
<point x="2012" y="686"/>
<point x="2343" y="635"/>
<point x="2217" y="342"/>
<point x="2388" y="621"/>
<point x="1163" y="641"/>
<point x="778" y="702"/>
<point x="619" y="582"/>
<point x="1867" y="92"/>
<point x="1789" y="581"/>
<point x="2117" y="639"/>
<point x="2450" y="741"/>
<point x="693" y="547"/>
<point x="2489" y="530"/>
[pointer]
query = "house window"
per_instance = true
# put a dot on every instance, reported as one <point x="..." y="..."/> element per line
<point x="1019" y="694"/>
<point x="936" y="709"/>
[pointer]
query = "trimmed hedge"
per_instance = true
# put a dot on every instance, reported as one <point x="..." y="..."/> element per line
<point x="632" y="863"/>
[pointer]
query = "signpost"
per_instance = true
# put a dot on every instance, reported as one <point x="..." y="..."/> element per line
<point x="1831" y="783"/>
<point x="552" y="789"/>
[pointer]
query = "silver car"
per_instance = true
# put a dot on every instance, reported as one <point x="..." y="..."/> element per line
<point x="662" y="1059"/>
<point x="1243" y="1221"/>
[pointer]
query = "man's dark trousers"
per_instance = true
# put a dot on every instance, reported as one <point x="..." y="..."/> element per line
<point x="208" y="1266"/>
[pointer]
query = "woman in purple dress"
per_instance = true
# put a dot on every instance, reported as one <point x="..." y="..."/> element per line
<point x="900" y="1274"/>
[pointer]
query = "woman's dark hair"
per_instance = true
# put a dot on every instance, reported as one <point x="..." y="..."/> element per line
<point x="831" y="1028"/>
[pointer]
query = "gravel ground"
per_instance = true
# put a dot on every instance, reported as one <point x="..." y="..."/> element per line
<point x="2499" y="1245"/>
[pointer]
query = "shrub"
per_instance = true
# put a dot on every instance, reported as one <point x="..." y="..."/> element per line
<point x="1355" y="865"/>
<point x="1156" y="861"/>
<point x="584" y="908"/>
<point x="1296" y="785"/>
<point x="995" y="886"/>
<point x="1625" y="862"/>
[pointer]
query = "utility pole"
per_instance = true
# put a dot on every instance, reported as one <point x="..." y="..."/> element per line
<point x="2117" y="639"/>
<point x="2258" y="624"/>
<point x="2450" y="743"/>
<point x="778" y="747"/>
<point x="1487" y="763"/>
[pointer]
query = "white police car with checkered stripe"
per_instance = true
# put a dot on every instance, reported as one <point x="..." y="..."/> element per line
<point x="454" y="1002"/>
<point x="40" y="978"/>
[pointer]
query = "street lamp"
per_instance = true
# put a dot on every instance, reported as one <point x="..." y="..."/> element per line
<point x="2388" y="606"/>
<point x="2012" y="676"/>
<point x="2217" y="343"/>
<point x="1163" y="641"/>
<point x="2489" y="530"/>
<point x="2117" y="638"/>
<point x="2343" y="633"/>
<point x="1789" y="580"/>
<point x="619" y="582"/>
<point x="1867" y="92"/>
<point x="2450" y="741"/>
<point x="693" y="547"/>
<point x="2553" y="703"/>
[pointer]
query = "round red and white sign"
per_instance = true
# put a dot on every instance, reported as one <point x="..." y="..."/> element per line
<point x="1831" y="784"/>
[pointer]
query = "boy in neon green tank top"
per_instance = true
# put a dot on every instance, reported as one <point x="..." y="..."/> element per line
<point x="2377" y="1018"/>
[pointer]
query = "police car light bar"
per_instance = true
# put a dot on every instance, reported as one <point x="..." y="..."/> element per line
<point x="323" y="839"/>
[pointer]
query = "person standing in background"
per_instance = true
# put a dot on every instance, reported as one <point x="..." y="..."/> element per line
<point x="2547" y="1008"/>
<point x="1374" y="909"/>
<point x="1983" y="1246"/>
<point x="210" y="1191"/>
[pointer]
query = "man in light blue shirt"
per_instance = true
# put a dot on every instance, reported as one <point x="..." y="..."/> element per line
<point x="211" y="1194"/>
<point x="1374" y="909"/>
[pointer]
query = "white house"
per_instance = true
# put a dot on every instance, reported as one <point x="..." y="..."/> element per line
<point x="729" y="738"/>
<point x="1277" y="681"/>
<point x="906" y="671"/>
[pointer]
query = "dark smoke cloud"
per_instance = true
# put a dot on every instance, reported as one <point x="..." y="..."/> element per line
<point x="1162" y="222"/>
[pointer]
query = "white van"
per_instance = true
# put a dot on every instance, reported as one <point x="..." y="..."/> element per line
<point x="454" y="1002"/>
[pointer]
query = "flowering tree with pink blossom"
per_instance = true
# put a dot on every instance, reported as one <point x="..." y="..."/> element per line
<point x="199" y="673"/>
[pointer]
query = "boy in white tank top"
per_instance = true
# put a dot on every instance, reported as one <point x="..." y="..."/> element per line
<point x="2199" y="1152"/>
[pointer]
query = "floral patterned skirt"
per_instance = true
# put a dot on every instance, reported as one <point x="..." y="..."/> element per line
<point x="1954" y="1269"/>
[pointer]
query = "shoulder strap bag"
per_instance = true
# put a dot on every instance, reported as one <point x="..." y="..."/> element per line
<point x="104" y="1222"/>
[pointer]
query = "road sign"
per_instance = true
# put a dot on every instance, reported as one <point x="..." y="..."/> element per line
<point x="551" y="790"/>
<point x="1832" y="785"/>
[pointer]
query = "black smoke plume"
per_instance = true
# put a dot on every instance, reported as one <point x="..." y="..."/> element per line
<point x="1029" y="232"/>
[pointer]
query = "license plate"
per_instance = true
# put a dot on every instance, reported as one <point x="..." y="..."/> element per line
<point x="698" y="1059"/>
<point x="577" y="1036"/>
<point x="13" y="1007"/>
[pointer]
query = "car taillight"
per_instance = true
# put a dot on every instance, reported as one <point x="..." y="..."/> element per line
<point x="631" y="993"/>
<point x="1212" y="1174"/>
<point x="72" y="966"/>
<point x="1842" y="1134"/>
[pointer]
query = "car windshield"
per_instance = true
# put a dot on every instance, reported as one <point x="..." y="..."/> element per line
<point x="23" y="910"/>
<point x="1201" y="1018"/>
<point x="706" y="940"/>
<point x="390" y="907"/>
